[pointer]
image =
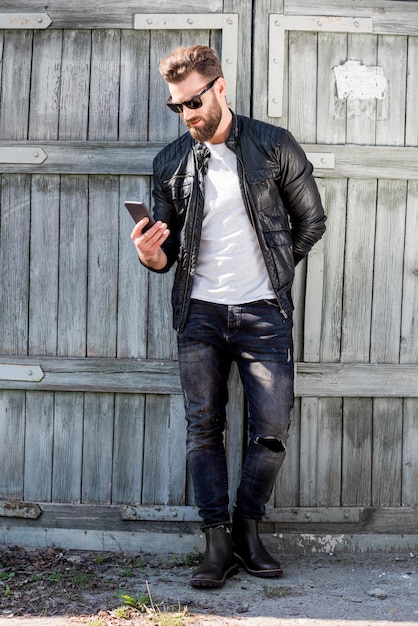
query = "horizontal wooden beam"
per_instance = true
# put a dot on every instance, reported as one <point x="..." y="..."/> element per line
<point x="83" y="157"/>
<point x="364" y="380"/>
<point x="135" y="158"/>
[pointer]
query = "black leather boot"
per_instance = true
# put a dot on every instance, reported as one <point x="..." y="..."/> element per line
<point x="219" y="562"/>
<point x="250" y="551"/>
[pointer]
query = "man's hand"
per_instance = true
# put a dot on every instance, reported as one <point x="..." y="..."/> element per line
<point x="148" y="245"/>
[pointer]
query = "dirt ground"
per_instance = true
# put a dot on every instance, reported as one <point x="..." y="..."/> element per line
<point x="52" y="587"/>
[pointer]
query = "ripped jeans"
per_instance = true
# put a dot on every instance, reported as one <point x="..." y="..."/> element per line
<point x="259" y="338"/>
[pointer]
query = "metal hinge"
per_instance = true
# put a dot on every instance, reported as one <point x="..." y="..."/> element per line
<point x="24" y="20"/>
<point x="24" y="373"/>
<point x="279" y="24"/>
<point x="32" y="156"/>
<point x="24" y="510"/>
<point x="226" y="22"/>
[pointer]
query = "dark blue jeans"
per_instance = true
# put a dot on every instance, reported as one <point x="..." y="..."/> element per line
<point x="259" y="338"/>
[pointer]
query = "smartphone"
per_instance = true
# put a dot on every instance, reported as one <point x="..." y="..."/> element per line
<point x="138" y="210"/>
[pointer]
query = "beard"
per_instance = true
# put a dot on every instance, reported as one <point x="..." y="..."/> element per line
<point x="210" y="121"/>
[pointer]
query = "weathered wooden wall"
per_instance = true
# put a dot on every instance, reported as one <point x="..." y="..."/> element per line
<point x="105" y="427"/>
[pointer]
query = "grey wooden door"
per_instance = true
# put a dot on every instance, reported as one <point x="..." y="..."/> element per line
<point x="91" y="411"/>
<point x="91" y="414"/>
<point x="345" y="83"/>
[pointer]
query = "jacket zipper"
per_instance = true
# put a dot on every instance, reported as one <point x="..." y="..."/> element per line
<point x="251" y="216"/>
<point x="189" y="263"/>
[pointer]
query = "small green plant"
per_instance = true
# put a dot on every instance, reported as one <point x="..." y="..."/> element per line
<point x="7" y="575"/>
<point x="138" y="602"/>
<point x="96" y="622"/>
<point x="54" y="577"/>
<point x="81" y="579"/>
<point x="100" y="558"/>
<point x="122" y="612"/>
<point x="127" y="573"/>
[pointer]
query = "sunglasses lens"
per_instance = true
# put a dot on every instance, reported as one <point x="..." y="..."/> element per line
<point x="176" y="108"/>
<point x="194" y="103"/>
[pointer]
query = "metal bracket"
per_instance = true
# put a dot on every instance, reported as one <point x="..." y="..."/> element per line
<point x="25" y="373"/>
<point x="33" y="155"/>
<point x="279" y="24"/>
<point x="24" y="20"/>
<point x="23" y="510"/>
<point x="226" y="22"/>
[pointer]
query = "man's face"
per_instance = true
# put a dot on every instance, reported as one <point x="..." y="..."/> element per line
<point x="204" y="121"/>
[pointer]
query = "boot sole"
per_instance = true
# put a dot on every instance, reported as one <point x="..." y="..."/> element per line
<point x="212" y="583"/>
<point x="268" y="573"/>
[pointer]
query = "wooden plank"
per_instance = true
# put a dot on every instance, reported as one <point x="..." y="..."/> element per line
<point x="302" y="118"/>
<point x="411" y="131"/>
<point x="409" y="329"/>
<point x="286" y="492"/>
<point x="135" y="158"/>
<point x="16" y="73"/>
<point x="45" y="85"/>
<point x="133" y="277"/>
<point x="93" y="157"/>
<point x="14" y="260"/>
<point x="361" y="114"/>
<point x="326" y="380"/>
<point x="357" y="380"/>
<point x="12" y="444"/>
<point x="385" y="339"/>
<point x="98" y="429"/>
<point x="358" y="285"/>
<point x="73" y="256"/>
<point x="134" y="86"/>
<point x="38" y="446"/>
<point x="128" y="448"/>
<point x="390" y="124"/>
<point x="43" y="295"/>
<point x="409" y="453"/>
<point x="74" y="86"/>
<point x="104" y="85"/>
<point x="177" y="465"/>
<point x="388" y="16"/>
<point x="106" y="14"/>
<point x="388" y="272"/>
<point x="102" y="266"/>
<point x="331" y="123"/>
<point x="155" y="479"/>
<point x="356" y="488"/>
<point x="67" y="447"/>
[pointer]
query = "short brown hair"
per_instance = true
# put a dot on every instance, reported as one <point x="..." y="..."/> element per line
<point x="181" y="62"/>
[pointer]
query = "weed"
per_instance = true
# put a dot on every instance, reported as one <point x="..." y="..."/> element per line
<point x="96" y="622"/>
<point x="55" y="577"/>
<point x="81" y="579"/>
<point x="127" y="573"/>
<point x="7" y="575"/>
<point x="136" y="601"/>
<point x="122" y="612"/>
<point x="100" y="558"/>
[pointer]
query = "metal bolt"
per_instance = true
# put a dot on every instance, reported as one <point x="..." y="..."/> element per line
<point x="40" y="20"/>
<point x="229" y="21"/>
<point x="319" y="23"/>
<point x="190" y="21"/>
<point x="277" y="23"/>
<point x="356" y="24"/>
<point x="36" y="154"/>
<point x="229" y="61"/>
<point x="30" y="373"/>
<point x="149" y="21"/>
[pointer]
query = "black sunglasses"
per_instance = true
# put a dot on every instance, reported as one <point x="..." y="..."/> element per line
<point x="194" y="103"/>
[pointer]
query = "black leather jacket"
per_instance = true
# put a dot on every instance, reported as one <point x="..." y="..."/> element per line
<point x="279" y="194"/>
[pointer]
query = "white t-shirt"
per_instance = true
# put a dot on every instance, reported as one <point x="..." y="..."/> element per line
<point x="230" y="267"/>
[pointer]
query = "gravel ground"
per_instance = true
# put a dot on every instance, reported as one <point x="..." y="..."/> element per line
<point x="52" y="587"/>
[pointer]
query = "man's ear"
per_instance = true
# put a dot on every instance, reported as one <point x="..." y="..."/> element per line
<point x="221" y="86"/>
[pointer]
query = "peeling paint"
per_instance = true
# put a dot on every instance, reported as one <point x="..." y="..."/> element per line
<point x="356" y="81"/>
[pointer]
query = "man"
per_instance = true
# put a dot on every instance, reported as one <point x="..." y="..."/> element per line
<point x="236" y="207"/>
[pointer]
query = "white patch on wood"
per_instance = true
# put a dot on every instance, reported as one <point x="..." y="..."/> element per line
<point x="356" y="81"/>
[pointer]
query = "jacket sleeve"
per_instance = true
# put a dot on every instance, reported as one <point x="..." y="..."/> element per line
<point x="164" y="210"/>
<point x="301" y="197"/>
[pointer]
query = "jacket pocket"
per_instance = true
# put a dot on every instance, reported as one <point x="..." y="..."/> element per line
<point x="178" y="188"/>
